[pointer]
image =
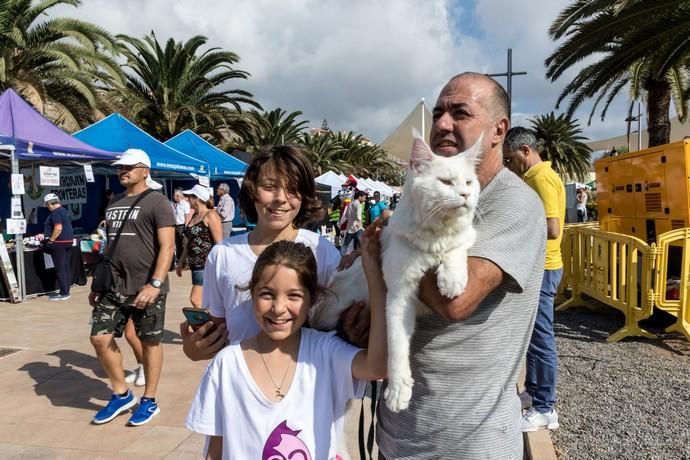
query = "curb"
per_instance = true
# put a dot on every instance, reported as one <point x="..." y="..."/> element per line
<point x="538" y="445"/>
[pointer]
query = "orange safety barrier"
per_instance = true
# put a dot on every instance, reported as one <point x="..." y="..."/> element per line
<point x="614" y="269"/>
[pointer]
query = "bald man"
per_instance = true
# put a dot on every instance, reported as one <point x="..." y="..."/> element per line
<point x="465" y="358"/>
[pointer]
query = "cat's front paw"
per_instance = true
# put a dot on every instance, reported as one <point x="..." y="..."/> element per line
<point x="451" y="284"/>
<point x="398" y="393"/>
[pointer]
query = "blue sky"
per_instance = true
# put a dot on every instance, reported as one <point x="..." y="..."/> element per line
<point x="363" y="64"/>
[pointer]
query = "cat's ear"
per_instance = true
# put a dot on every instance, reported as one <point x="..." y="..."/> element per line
<point x="421" y="153"/>
<point x="474" y="153"/>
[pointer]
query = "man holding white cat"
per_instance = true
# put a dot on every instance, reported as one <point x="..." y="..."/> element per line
<point x="465" y="359"/>
<point x="520" y="155"/>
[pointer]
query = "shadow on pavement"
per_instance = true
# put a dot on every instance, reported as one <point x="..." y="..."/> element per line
<point x="64" y="385"/>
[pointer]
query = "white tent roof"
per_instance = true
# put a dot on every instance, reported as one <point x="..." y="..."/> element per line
<point x="399" y="142"/>
<point x="368" y="184"/>
<point x="385" y="189"/>
<point x="333" y="180"/>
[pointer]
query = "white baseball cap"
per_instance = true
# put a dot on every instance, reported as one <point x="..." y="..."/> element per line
<point x="199" y="191"/>
<point x="132" y="157"/>
<point x="50" y="197"/>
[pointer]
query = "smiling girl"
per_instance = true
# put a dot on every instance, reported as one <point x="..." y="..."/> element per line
<point x="281" y="394"/>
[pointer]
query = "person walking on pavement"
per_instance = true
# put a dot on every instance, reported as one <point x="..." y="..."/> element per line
<point x="139" y="268"/>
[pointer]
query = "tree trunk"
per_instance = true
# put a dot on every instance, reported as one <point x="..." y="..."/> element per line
<point x="658" y="105"/>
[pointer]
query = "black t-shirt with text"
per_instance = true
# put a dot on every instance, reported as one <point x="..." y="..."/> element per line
<point x="134" y="259"/>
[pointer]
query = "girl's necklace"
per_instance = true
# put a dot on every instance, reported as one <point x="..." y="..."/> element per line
<point x="279" y="394"/>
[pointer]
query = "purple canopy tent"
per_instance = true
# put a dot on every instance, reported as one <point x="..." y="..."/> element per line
<point x="27" y="135"/>
<point x="35" y="138"/>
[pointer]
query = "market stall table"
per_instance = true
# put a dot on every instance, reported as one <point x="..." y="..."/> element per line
<point x="39" y="279"/>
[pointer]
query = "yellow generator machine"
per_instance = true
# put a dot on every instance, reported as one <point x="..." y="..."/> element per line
<point x="645" y="193"/>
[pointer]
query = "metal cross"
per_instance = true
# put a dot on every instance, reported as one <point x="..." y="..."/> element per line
<point x="510" y="75"/>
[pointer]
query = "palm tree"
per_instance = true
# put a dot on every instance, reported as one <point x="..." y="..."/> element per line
<point x="276" y="127"/>
<point x="59" y="65"/>
<point x="324" y="154"/>
<point x="349" y="153"/>
<point x="642" y="44"/>
<point x="368" y="159"/>
<point x="560" y="142"/>
<point x="179" y="87"/>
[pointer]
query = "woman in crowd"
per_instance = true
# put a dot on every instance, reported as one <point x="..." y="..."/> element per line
<point x="203" y="230"/>
<point x="278" y="195"/>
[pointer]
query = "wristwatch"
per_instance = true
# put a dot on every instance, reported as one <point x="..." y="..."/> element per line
<point x="156" y="283"/>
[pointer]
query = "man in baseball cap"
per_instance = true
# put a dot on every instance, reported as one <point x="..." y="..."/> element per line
<point x="133" y="159"/>
<point x="139" y="266"/>
<point x="51" y="197"/>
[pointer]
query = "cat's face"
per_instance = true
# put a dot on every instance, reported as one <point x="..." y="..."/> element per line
<point x="443" y="186"/>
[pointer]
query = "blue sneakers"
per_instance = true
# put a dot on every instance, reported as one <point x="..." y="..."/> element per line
<point x="117" y="405"/>
<point x="145" y="412"/>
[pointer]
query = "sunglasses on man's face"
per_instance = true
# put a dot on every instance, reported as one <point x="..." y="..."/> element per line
<point x="130" y="167"/>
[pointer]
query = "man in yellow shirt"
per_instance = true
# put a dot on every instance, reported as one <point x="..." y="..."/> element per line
<point x="521" y="156"/>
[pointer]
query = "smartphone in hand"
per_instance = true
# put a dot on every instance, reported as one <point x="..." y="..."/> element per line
<point x="196" y="317"/>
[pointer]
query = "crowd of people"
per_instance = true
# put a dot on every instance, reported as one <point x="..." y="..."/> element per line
<point x="275" y="388"/>
<point x="351" y="211"/>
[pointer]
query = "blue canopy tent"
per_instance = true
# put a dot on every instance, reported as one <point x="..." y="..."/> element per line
<point x="26" y="135"/>
<point x="221" y="164"/>
<point x="115" y="132"/>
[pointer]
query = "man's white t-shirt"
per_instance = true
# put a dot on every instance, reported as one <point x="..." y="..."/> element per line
<point x="181" y="210"/>
<point x="228" y="271"/>
<point x="306" y="424"/>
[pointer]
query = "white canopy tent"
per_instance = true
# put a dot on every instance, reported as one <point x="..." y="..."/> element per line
<point x="386" y="190"/>
<point x="399" y="142"/>
<point x="331" y="179"/>
<point x="373" y="186"/>
<point x="336" y="181"/>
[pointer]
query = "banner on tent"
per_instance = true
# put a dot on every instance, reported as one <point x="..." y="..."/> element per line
<point x="71" y="191"/>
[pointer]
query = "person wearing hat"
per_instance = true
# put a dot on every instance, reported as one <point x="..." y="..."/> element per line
<point x="58" y="240"/>
<point x="204" y="230"/>
<point x="139" y="265"/>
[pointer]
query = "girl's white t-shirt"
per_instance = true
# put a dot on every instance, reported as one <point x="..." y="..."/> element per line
<point x="305" y="425"/>
<point x="229" y="269"/>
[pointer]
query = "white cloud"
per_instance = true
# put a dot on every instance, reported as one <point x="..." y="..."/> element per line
<point x="361" y="64"/>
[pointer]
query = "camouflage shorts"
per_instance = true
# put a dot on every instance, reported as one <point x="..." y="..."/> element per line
<point x="113" y="310"/>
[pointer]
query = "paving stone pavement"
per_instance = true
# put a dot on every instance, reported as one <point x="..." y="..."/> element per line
<point x="54" y="385"/>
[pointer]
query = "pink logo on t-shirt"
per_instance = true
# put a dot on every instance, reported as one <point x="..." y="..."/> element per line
<point x="283" y="444"/>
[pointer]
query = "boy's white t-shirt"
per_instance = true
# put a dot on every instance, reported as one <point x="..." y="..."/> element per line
<point x="230" y="265"/>
<point x="305" y="425"/>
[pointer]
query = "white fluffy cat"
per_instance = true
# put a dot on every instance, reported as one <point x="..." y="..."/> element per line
<point x="431" y="228"/>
